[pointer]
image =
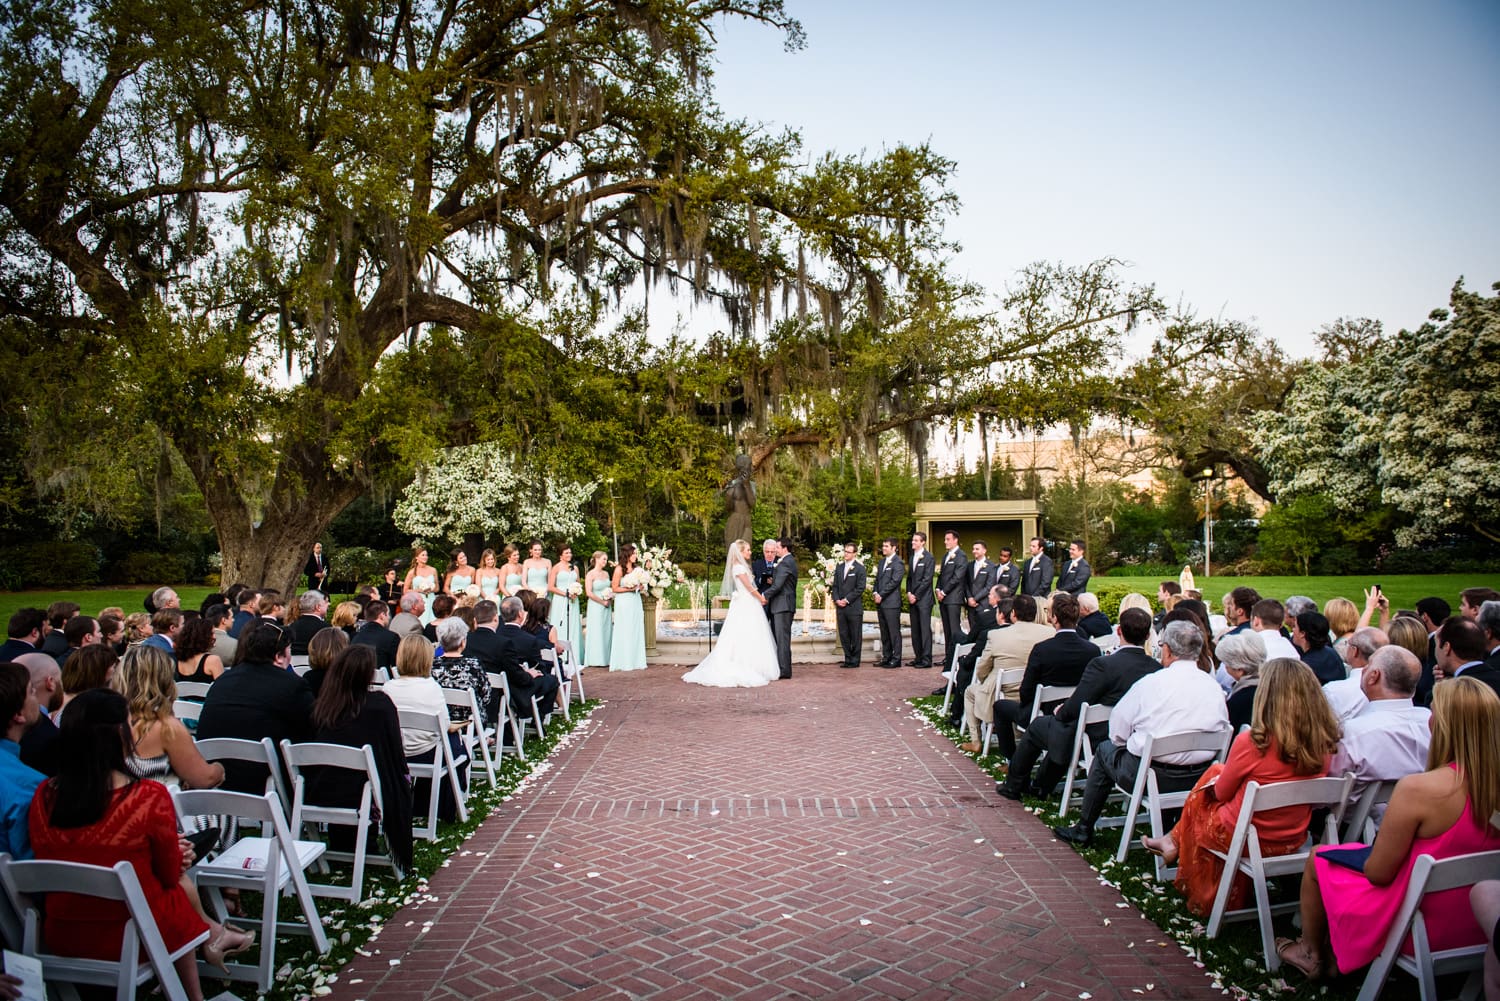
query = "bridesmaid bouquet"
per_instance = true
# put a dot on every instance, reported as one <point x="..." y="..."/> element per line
<point x="574" y="589"/>
<point x="635" y="578"/>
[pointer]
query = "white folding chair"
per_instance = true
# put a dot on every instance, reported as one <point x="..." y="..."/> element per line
<point x="24" y="882"/>
<point x="1083" y="750"/>
<point x="1359" y="820"/>
<point x="1146" y="791"/>
<point x="1047" y="694"/>
<point x="1011" y="676"/>
<point x="193" y="690"/>
<point x="188" y="712"/>
<point x="442" y="768"/>
<point x="959" y="653"/>
<point x="1244" y="854"/>
<point x="571" y="663"/>
<point x="270" y="864"/>
<point x="300" y="664"/>
<point x="261" y="752"/>
<point x="1430" y="876"/>
<point x="500" y="683"/>
<point x="358" y="759"/>
<point x="564" y="683"/>
<point x="475" y="735"/>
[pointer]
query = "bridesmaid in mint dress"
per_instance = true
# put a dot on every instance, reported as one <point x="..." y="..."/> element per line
<point x="627" y="647"/>
<point x="511" y="579"/>
<point x="423" y="578"/>
<point x="600" y="595"/>
<point x="564" y="611"/>
<point x="488" y="577"/>
<point x="538" y="570"/>
<point x="460" y="577"/>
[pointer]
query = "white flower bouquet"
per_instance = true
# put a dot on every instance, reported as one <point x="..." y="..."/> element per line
<point x="574" y="589"/>
<point x="472" y="591"/>
<point x="661" y="572"/>
<point x="822" y="569"/>
<point x="635" y="578"/>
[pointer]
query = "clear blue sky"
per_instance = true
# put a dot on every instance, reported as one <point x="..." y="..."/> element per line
<point x="1282" y="162"/>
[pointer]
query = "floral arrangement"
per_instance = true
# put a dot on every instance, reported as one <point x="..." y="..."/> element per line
<point x="821" y="571"/>
<point x="635" y="578"/>
<point x="574" y="589"/>
<point x="661" y="572"/>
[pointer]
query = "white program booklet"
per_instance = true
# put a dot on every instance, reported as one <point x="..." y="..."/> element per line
<point x="28" y="970"/>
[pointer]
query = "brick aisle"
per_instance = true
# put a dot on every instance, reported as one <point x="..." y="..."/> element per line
<point x="809" y="839"/>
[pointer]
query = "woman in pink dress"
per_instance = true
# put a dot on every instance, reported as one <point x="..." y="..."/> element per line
<point x="1442" y="812"/>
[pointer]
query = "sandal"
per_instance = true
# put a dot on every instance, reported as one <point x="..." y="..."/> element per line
<point x="1293" y="952"/>
<point x="227" y="943"/>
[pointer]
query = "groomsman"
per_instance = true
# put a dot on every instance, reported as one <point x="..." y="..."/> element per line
<point x="848" y="594"/>
<point x="919" y="601"/>
<point x="1036" y="575"/>
<point x="888" y="603"/>
<point x="981" y="577"/>
<point x="952" y="589"/>
<point x="1007" y="574"/>
<point x="1076" y="572"/>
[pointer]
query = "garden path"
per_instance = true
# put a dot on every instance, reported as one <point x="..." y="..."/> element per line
<point x="810" y="839"/>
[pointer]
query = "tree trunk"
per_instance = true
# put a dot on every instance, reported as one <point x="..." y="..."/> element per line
<point x="274" y="553"/>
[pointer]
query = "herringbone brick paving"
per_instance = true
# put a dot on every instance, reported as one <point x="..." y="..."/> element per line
<point x="810" y="839"/>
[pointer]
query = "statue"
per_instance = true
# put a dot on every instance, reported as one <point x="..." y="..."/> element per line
<point x="739" y="496"/>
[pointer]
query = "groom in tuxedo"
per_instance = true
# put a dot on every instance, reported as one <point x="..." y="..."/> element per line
<point x="781" y="603"/>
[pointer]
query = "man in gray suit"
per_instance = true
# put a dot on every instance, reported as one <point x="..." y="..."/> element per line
<point x="888" y="603"/>
<point x="848" y="593"/>
<point x="919" y="601"/>
<point x="1075" y="572"/>
<point x="952" y="589"/>
<point x="1007" y="574"/>
<point x="1036" y="576"/>
<point x="781" y="601"/>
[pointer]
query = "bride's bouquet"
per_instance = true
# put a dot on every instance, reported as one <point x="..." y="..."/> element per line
<point x="822" y="569"/>
<point x="661" y="572"/>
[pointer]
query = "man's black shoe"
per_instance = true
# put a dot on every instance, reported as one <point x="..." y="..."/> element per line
<point x="940" y="691"/>
<point x="1075" y="834"/>
<point x="890" y="665"/>
<point x="1007" y="792"/>
<point x="848" y="665"/>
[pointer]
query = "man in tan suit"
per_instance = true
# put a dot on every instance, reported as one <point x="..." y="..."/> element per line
<point x="1007" y="646"/>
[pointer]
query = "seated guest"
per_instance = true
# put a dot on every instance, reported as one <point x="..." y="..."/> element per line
<point x="326" y="644"/>
<point x="271" y="606"/>
<point x="1311" y="638"/>
<point x="456" y="669"/>
<point x="98" y="813"/>
<point x="137" y="628"/>
<point x="1471" y="600"/>
<point x="1180" y="698"/>
<point x="1292" y="735"/>
<point x="346" y="617"/>
<point x="1105" y="681"/>
<point x="112" y="628"/>
<point x="217" y="617"/>
<point x="23" y="633"/>
<point x="1460" y="652"/>
<point x="18" y="782"/>
<point x="54" y="639"/>
<point x="347" y="712"/>
<point x="90" y="668"/>
<point x="1266" y="618"/>
<point x="312" y="609"/>
<point x="413" y="688"/>
<point x="259" y="698"/>
<point x="1489" y="621"/>
<point x="39" y="743"/>
<point x="1242" y="655"/>
<point x="1389" y="737"/>
<point x="518" y="653"/>
<point x="1056" y="661"/>
<point x="442" y="608"/>
<point x="373" y="633"/>
<point x="1347" y="697"/>
<point x="81" y="630"/>
<point x="193" y="656"/>
<point x="1092" y="623"/>
<point x="166" y="623"/>
<point x="1006" y="647"/>
<point x="1442" y="812"/>
<point x="983" y="619"/>
<point x="247" y="610"/>
<point x="1343" y="619"/>
<point x="409" y="618"/>
<point x="163" y="747"/>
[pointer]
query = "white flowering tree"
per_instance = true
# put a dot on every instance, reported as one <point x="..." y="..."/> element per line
<point x="480" y="488"/>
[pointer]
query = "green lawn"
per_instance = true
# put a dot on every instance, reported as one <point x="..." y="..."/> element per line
<point x="1402" y="591"/>
<point x="91" y="601"/>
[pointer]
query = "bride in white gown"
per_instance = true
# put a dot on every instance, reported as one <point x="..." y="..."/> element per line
<point x="745" y="654"/>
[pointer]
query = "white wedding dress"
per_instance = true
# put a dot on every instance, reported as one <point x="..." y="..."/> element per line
<point x="744" y="656"/>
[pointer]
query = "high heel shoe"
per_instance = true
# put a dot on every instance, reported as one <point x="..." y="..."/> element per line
<point x="1163" y="846"/>
<point x="226" y="943"/>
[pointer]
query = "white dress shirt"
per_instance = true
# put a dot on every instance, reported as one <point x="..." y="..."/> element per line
<point x="1346" y="697"/>
<point x="1387" y="740"/>
<point x="1278" y="645"/>
<point x="1177" y="699"/>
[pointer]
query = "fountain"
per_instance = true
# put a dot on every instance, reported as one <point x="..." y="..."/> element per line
<point x="682" y="636"/>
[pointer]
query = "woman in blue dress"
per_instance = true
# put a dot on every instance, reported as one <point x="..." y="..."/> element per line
<point x="488" y="577"/>
<point x="600" y="594"/>
<point x="564" y="611"/>
<point x="627" y="647"/>
<point x="460" y="577"/>
<point x="538" y="569"/>
<point x="511" y="575"/>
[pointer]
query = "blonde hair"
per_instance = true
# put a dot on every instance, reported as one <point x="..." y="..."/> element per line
<point x="1135" y="600"/>
<point x="346" y="614"/>
<point x="1409" y="634"/>
<point x="485" y="558"/>
<point x="135" y="622"/>
<point x="1290" y="707"/>
<point x="148" y="680"/>
<point x="1466" y="732"/>
<point x="414" y="656"/>
<point x="596" y="556"/>
<point x="1342" y="616"/>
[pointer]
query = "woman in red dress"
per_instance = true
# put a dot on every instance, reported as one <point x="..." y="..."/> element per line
<point x="97" y="813"/>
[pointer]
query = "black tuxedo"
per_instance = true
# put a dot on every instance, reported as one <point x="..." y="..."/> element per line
<point x="980" y="577"/>
<point x="1009" y="575"/>
<point x="781" y="602"/>
<point x="919" y="586"/>
<point x="303" y="630"/>
<point x="385" y="642"/>
<point x="1094" y="625"/>
<point x="1058" y="661"/>
<point x="1075" y="576"/>
<point x="953" y="581"/>
<point x="888" y="576"/>
<point x="515" y="650"/>
<point x="849" y="584"/>
<point x="317" y="570"/>
<point x="1104" y="682"/>
<point x="1036" y="576"/>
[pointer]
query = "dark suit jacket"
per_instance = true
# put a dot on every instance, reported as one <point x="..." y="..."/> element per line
<point x="1039" y="581"/>
<point x="1075" y="580"/>
<point x="515" y="649"/>
<point x="1106" y="680"/>
<point x="979" y="581"/>
<point x="39" y="746"/>
<point x="1486" y="672"/>
<point x="55" y="645"/>
<point x="781" y="596"/>
<point x="1009" y="575"/>
<point x="763" y="571"/>
<point x="241" y="618"/>
<point x="251" y="701"/>
<point x="888" y="581"/>
<point x="304" y="629"/>
<point x="953" y="577"/>
<point x="849" y="584"/>
<point x="13" y="648"/>
<point x="1058" y="661"/>
<point x="1095" y="624"/>
<point x="385" y="642"/>
<point x="316" y="564"/>
<point x="985" y="619"/>
<point x="1326" y="664"/>
<point x="919" y="580"/>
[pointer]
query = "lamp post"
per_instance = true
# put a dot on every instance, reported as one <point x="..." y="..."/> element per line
<point x="614" y="529"/>
<point x="1208" y="523"/>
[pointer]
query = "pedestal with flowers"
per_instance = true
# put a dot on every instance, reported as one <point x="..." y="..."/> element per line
<point x="660" y="574"/>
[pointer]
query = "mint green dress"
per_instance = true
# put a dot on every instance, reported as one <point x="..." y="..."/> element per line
<point x="596" y="650"/>
<point x="536" y="581"/>
<point x="627" y="645"/>
<point x="564" y="614"/>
